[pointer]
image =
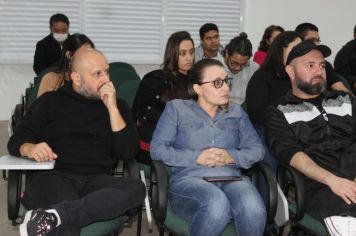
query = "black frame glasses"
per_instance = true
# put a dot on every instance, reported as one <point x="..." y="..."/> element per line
<point x="218" y="83"/>
<point x="236" y="64"/>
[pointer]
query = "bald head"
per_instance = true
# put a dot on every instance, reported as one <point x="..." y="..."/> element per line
<point x="83" y="58"/>
<point x="89" y="71"/>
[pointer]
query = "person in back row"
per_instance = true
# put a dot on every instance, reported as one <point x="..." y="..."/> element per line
<point x="210" y="46"/>
<point x="208" y="137"/>
<point x="238" y="66"/>
<point x="313" y="130"/>
<point x="86" y="130"/>
<point x="53" y="80"/>
<point x="160" y="86"/>
<point x="49" y="49"/>
<point x="345" y="62"/>
<point x="271" y="32"/>
<point x="310" y="32"/>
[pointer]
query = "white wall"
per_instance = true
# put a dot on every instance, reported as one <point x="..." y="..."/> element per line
<point x="335" y="20"/>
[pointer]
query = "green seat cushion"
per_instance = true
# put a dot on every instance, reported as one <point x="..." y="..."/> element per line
<point x="309" y="223"/>
<point x="178" y="225"/>
<point x="102" y="228"/>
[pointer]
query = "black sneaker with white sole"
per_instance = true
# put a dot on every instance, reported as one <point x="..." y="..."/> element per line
<point x="38" y="223"/>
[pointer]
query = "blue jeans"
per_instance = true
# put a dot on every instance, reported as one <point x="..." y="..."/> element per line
<point x="209" y="207"/>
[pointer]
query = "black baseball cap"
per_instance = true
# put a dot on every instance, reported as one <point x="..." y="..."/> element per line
<point x="304" y="47"/>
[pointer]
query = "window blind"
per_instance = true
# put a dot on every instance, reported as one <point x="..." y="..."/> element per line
<point x="134" y="31"/>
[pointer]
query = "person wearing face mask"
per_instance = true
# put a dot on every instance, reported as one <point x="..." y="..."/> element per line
<point x="49" y="49"/>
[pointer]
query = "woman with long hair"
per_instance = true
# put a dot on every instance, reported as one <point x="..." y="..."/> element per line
<point x="159" y="86"/>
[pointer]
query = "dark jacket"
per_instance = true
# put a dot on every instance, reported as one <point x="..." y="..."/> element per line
<point x="323" y="128"/>
<point x="345" y="61"/>
<point x="78" y="130"/>
<point x="152" y="94"/>
<point x="266" y="88"/>
<point x="48" y="53"/>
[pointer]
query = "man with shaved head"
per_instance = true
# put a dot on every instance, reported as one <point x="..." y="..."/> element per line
<point x="313" y="130"/>
<point x="86" y="129"/>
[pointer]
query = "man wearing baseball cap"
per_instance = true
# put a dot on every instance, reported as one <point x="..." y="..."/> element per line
<point x="314" y="131"/>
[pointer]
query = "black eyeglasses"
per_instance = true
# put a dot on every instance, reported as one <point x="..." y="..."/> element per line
<point x="218" y="83"/>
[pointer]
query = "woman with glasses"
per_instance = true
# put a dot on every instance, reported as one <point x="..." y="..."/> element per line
<point x="207" y="141"/>
<point x="237" y="62"/>
<point x="159" y="86"/>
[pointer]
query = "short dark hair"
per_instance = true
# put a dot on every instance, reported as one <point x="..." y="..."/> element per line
<point x="267" y="35"/>
<point x="274" y="59"/>
<point x="355" y="29"/>
<point x="240" y="44"/>
<point x="303" y="28"/>
<point x="206" y="28"/>
<point x="59" y="17"/>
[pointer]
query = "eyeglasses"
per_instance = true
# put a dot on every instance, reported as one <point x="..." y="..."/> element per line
<point x="236" y="64"/>
<point x="218" y="83"/>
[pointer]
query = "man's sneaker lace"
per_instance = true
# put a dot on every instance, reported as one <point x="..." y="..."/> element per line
<point x="38" y="223"/>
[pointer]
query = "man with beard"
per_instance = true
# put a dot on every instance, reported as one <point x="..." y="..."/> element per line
<point x="313" y="130"/>
<point x="86" y="130"/>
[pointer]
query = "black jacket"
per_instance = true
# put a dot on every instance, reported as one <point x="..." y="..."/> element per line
<point x="78" y="130"/>
<point x="48" y="53"/>
<point x="150" y="101"/>
<point x="323" y="128"/>
<point x="345" y="61"/>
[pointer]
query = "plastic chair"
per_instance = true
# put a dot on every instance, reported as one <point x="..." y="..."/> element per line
<point x="168" y="220"/>
<point x="121" y="65"/>
<point x="120" y="75"/>
<point x="127" y="91"/>
<point x="292" y="184"/>
<point x="17" y="166"/>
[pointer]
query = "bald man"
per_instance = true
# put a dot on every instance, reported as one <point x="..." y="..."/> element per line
<point x="85" y="129"/>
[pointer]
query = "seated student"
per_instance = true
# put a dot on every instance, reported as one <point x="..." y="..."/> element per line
<point x="86" y="130"/>
<point x="237" y="63"/>
<point x="53" y="80"/>
<point x="205" y="137"/>
<point x="345" y="62"/>
<point x="313" y="130"/>
<point x="271" y="32"/>
<point x="210" y="46"/>
<point x="309" y="31"/>
<point x="49" y="49"/>
<point x="160" y="86"/>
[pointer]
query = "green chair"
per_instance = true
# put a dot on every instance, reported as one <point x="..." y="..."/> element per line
<point x="292" y="184"/>
<point x="121" y="65"/>
<point x="166" y="219"/>
<point x="14" y="191"/>
<point x="127" y="91"/>
<point x="120" y="75"/>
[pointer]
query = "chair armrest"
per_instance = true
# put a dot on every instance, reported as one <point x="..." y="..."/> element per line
<point x="288" y="176"/>
<point x="271" y="181"/>
<point x="14" y="194"/>
<point x="158" y="191"/>
<point x="130" y="168"/>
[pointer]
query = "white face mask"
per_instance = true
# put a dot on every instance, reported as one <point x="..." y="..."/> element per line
<point x="60" y="37"/>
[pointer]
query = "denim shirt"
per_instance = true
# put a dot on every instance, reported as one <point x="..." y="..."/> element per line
<point x="184" y="130"/>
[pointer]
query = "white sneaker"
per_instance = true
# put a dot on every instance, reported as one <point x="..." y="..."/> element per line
<point x="341" y="225"/>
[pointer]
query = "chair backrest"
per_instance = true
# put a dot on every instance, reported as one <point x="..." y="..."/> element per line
<point x="31" y="94"/>
<point x="120" y="75"/>
<point x="121" y="65"/>
<point x="127" y="91"/>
